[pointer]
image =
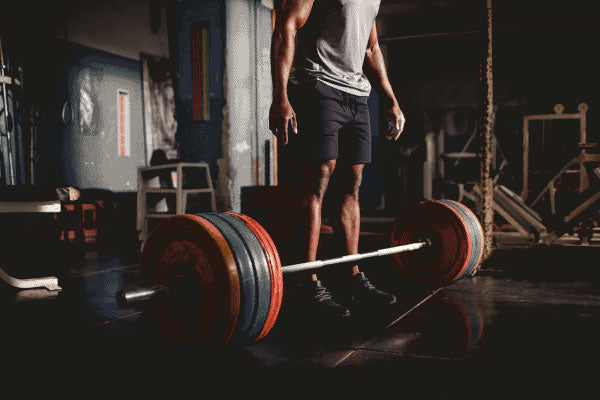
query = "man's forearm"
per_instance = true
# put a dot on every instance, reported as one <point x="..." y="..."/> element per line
<point x="374" y="68"/>
<point x="282" y="56"/>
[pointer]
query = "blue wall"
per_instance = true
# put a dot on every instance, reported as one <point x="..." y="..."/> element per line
<point x="86" y="156"/>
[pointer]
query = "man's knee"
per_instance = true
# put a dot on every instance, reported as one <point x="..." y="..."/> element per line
<point x="317" y="177"/>
<point x="353" y="181"/>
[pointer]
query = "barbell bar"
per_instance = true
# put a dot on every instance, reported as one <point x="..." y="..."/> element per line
<point x="237" y="273"/>
<point x="129" y="297"/>
<point x="309" y="265"/>
<point x="126" y="298"/>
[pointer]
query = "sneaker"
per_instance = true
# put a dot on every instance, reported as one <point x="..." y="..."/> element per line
<point x="323" y="304"/>
<point x="365" y="294"/>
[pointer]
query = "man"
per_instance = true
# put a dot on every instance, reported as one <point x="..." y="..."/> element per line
<point x="324" y="52"/>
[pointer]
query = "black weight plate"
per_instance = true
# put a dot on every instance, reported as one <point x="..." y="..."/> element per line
<point x="248" y="300"/>
<point x="274" y="262"/>
<point x="262" y="274"/>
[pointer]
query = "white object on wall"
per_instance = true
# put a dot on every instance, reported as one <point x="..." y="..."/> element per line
<point x="267" y="3"/>
<point x="124" y="131"/>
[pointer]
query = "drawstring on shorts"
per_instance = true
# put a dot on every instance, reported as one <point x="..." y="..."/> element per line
<point x="350" y="102"/>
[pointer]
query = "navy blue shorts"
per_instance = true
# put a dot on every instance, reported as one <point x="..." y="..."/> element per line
<point x="332" y="124"/>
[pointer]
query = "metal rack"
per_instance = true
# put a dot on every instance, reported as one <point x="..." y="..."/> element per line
<point x="149" y="181"/>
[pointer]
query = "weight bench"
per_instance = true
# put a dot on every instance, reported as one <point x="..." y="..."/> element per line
<point x="49" y="206"/>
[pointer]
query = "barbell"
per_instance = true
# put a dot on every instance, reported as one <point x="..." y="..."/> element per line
<point x="217" y="278"/>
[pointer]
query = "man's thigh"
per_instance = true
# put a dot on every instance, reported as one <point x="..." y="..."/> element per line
<point x="320" y="118"/>
<point x="355" y="139"/>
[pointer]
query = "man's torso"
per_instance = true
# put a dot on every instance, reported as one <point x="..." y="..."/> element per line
<point x="331" y="46"/>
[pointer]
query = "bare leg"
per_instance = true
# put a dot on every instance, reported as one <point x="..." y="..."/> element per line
<point x="315" y="179"/>
<point x="364" y="294"/>
<point x="349" y="218"/>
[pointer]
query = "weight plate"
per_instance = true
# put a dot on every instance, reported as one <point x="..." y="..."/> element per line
<point x="477" y="239"/>
<point x="474" y="234"/>
<point x="440" y="263"/>
<point x="469" y="242"/>
<point x="248" y="285"/>
<point x="261" y="270"/>
<point x="277" y="276"/>
<point x="471" y="232"/>
<point x="274" y="269"/>
<point x="191" y="253"/>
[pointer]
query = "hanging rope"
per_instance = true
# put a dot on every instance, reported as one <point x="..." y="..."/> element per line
<point x="485" y="205"/>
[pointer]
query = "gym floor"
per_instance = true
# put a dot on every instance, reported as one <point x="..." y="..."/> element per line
<point x="534" y="307"/>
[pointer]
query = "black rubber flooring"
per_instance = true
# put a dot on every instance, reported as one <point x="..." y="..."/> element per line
<point x="528" y="322"/>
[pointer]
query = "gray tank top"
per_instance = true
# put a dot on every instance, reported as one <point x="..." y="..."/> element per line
<point x="331" y="46"/>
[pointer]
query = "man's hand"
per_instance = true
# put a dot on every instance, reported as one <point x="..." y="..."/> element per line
<point x="281" y="116"/>
<point x="396" y="122"/>
<point x="374" y="68"/>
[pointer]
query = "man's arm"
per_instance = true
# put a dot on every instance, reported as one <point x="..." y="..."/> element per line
<point x="291" y="15"/>
<point x="374" y="68"/>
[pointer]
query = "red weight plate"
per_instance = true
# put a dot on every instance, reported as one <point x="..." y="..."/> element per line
<point x="463" y="261"/>
<point x="449" y="252"/>
<point x="187" y="248"/>
<point x="275" y="270"/>
<point x="471" y="234"/>
<point x="476" y="236"/>
<point x="479" y="229"/>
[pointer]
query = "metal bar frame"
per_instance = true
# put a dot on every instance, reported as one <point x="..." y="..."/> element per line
<point x="48" y="282"/>
<point x="558" y="115"/>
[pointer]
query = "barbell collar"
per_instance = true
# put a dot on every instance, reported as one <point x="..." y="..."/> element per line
<point x="128" y="298"/>
<point x="305" y="266"/>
